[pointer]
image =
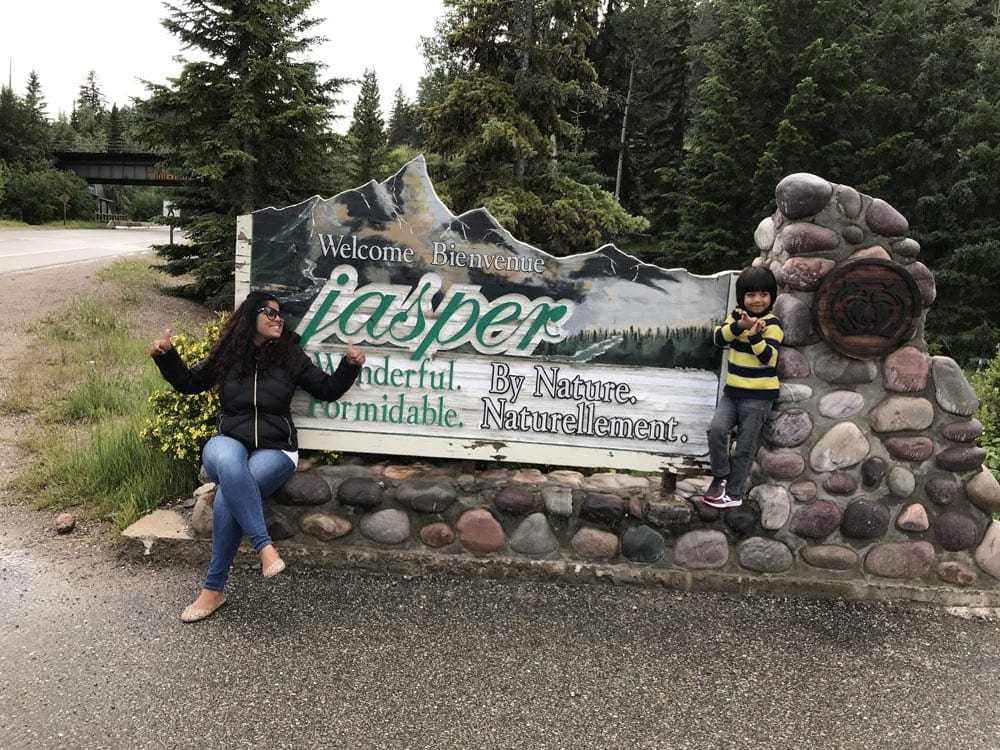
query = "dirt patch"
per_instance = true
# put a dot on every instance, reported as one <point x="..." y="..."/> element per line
<point x="29" y="297"/>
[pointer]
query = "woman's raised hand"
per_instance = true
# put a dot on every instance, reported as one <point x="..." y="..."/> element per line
<point x="162" y="346"/>
<point x="354" y="355"/>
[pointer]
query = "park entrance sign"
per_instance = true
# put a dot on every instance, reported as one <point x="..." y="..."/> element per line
<point x="480" y="346"/>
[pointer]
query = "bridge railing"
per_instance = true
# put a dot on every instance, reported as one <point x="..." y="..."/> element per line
<point x="99" y="146"/>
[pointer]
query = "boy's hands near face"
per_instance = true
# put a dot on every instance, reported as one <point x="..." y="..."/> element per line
<point x="751" y="325"/>
<point x="746" y="322"/>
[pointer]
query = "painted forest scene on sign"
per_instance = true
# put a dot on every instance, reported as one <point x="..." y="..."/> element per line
<point x="480" y="343"/>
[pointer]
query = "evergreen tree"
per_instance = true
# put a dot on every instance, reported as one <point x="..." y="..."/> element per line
<point x="601" y="123"/>
<point x="501" y="124"/>
<point x="776" y="98"/>
<point x="442" y="67"/>
<point x="116" y="131"/>
<point x="247" y="124"/>
<point x="403" y="122"/>
<point x="89" y="117"/>
<point x="662" y="94"/>
<point x="638" y="135"/>
<point x="24" y="135"/>
<point x="367" y="133"/>
<point x="955" y="217"/>
<point x="33" y="96"/>
<point x="576" y="159"/>
<point x="61" y="132"/>
<point x="90" y="95"/>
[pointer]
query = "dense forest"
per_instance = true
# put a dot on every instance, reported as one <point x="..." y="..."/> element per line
<point x="660" y="125"/>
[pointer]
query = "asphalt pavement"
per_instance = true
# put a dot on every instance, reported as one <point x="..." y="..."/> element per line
<point x="32" y="248"/>
<point x="93" y="655"/>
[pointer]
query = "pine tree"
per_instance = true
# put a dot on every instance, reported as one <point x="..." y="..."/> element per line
<point x="90" y="94"/>
<point x="247" y="124"/>
<point x="24" y="134"/>
<point x="33" y="96"/>
<point x="403" y="122"/>
<point x="442" y="67"/>
<point x="769" y="66"/>
<point x="955" y="214"/>
<point x="116" y="131"/>
<point x="89" y="117"/>
<point x="638" y="135"/>
<point x="367" y="133"/>
<point x="501" y="123"/>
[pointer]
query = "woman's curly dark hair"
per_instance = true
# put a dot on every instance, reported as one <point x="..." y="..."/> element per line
<point x="235" y="350"/>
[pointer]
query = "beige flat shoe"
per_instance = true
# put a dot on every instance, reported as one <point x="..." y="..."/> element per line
<point x="192" y="613"/>
<point x="274" y="568"/>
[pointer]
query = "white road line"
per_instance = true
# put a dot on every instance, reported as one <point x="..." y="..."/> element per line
<point x="46" y="252"/>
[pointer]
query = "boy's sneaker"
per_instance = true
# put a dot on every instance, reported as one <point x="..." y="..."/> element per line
<point x="716" y="490"/>
<point x="725" y="501"/>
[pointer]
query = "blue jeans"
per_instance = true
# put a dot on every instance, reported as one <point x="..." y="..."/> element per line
<point x="244" y="478"/>
<point x="747" y="415"/>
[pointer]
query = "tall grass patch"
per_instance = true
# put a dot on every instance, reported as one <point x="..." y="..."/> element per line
<point x="91" y="365"/>
<point x="136" y="278"/>
<point x="107" y="470"/>
<point x="88" y="380"/>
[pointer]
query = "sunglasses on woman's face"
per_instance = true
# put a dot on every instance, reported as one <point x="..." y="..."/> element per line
<point x="271" y="313"/>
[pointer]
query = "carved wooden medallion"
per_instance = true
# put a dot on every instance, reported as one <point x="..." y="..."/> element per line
<point x="867" y="308"/>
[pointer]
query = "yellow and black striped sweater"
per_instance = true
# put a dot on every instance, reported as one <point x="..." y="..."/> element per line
<point x="753" y="361"/>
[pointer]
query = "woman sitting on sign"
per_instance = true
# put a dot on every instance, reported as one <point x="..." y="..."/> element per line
<point x="256" y="365"/>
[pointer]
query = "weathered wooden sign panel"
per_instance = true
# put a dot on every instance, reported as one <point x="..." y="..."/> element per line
<point x="481" y="346"/>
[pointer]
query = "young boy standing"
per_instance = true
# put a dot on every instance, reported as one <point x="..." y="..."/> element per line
<point x="753" y="335"/>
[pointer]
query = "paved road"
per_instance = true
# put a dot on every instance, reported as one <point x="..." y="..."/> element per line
<point x="92" y="655"/>
<point x="24" y="249"/>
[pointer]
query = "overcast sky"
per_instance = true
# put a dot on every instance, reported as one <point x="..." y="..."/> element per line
<point x="123" y="41"/>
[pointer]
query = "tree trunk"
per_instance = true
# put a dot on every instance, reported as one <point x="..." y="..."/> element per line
<point x="527" y="41"/>
<point x="621" y="142"/>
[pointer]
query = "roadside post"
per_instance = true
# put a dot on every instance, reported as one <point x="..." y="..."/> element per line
<point x="171" y="212"/>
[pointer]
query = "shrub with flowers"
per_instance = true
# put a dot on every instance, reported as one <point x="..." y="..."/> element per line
<point x="181" y="424"/>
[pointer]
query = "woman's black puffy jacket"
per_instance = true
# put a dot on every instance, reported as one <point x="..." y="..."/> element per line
<point x="256" y="410"/>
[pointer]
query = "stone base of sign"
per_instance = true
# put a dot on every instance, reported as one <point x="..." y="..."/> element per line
<point x="605" y="528"/>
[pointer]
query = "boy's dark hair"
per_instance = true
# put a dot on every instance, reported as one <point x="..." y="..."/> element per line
<point x="755" y="279"/>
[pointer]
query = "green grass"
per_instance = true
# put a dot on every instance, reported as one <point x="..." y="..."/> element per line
<point x="107" y="470"/>
<point x="89" y="390"/>
<point x="136" y="279"/>
<point x="94" y="364"/>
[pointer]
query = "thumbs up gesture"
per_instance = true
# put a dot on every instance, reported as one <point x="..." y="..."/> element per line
<point x="162" y="346"/>
<point x="354" y="355"/>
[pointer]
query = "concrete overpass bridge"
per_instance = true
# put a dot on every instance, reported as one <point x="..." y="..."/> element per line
<point x="102" y="168"/>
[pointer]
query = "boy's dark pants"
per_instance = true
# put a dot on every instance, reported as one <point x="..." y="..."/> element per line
<point x="748" y="414"/>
